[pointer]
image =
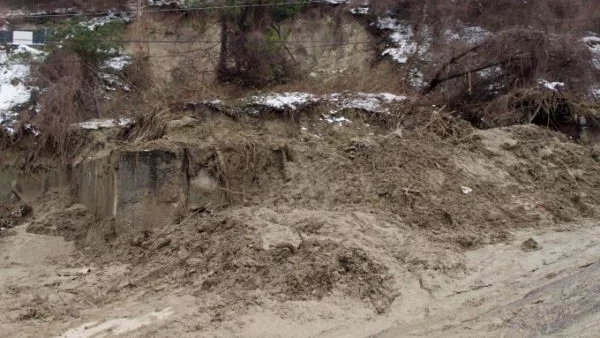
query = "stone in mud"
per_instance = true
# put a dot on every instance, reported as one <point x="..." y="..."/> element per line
<point x="276" y="236"/>
<point x="23" y="210"/>
<point x="181" y="123"/>
<point x="530" y="245"/>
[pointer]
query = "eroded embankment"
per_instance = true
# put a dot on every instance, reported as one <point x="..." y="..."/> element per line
<point x="239" y="209"/>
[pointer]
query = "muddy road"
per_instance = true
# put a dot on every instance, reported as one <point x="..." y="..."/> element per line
<point x="551" y="289"/>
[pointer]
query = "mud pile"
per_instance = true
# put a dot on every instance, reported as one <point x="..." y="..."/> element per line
<point x="312" y="209"/>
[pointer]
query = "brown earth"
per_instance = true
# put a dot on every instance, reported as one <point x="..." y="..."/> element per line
<point x="318" y="227"/>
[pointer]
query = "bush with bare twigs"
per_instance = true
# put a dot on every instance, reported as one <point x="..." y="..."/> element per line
<point x="66" y="97"/>
<point x="497" y="82"/>
<point x="253" y="51"/>
<point x="138" y="73"/>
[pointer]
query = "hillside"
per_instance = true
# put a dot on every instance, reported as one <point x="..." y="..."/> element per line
<point x="299" y="169"/>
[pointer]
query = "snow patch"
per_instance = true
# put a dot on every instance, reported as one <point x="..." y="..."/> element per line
<point x="118" y="62"/>
<point x="471" y="35"/>
<point x="13" y="78"/>
<point x="491" y="72"/>
<point x="593" y="44"/>
<point x="292" y="100"/>
<point x="555" y="86"/>
<point x="388" y="23"/>
<point x="30" y="50"/>
<point x="406" y="43"/>
<point x="371" y="102"/>
<point x="595" y="93"/>
<point x="416" y="78"/>
<point x="104" y="123"/>
<point x="332" y="2"/>
<point x="112" y="82"/>
<point x="166" y="3"/>
<point x="360" y="10"/>
<point x="332" y="118"/>
<point x="402" y="39"/>
<point x="100" y="21"/>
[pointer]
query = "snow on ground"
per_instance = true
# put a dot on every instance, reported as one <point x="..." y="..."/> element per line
<point x="369" y="102"/>
<point x="332" y="2"/>
<point x="104" y="123"/>
<point x="405" y="42"/>
<point x="111" y="16"/>
<point x="470" y="35"/>
<point x="192" y="3"/>
<point x="110" y="70"/>
<point x="14" y="74"/>
<point x="281" y="101"/>
<point x="491" y="72"/>
<point x="166" y="3"/>
<point x="593" y="43"/>
<point x="23" y="49"/>
<point x="331" y="118"/>
<point x="118" y="62"/>
<point x="360" y="10"/>
<point x="555" y="86"/>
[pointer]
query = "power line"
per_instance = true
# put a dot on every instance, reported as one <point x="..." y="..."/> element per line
<point x="176" y="54"/>
<point x="199" y="41"/>
<point x="162" y="10"/>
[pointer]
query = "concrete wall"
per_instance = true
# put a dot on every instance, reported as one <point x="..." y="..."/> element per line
<point x="141" y="188"/>
<point x="151" y="186"/>
<point x="94" y="185"/>
<point x="32" y="183"/>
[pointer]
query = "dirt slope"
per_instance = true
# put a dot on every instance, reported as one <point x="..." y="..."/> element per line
<point x="327" y="229"/>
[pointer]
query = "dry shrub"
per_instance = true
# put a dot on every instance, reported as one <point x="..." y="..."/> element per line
<point x="558" y="16"/>
<point x="539" y="106"/>
<point x="139" y="73"/>
<point x="188" y="82"/>
<point x="63" y="102"/>
<point x="522" y="54"/>
<point x="253" y="60"/>
<point x="148" y="126"/>
<point x="240" y="167"/>
<point x="252" y="53"/>
<point x="485" y="81"/>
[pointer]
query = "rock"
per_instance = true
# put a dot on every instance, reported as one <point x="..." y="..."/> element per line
<point x="397" y="133"/>
<point x="276" y="236"/>
<point x="466" y="190"/>
<point x="546" y="152"/>
<point x="530" y="245"/>
<point x="23" y="210"/>
<point x="596" y="153"/>
<point x="182" y="123"/>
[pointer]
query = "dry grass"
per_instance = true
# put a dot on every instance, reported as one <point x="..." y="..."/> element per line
<point x="376" y="79"/>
